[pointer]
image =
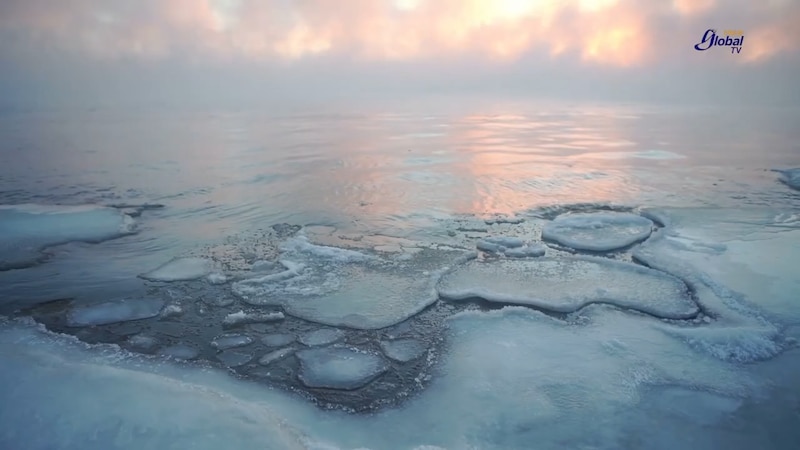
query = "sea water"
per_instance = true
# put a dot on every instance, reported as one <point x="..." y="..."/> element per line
<point x="451" y="275"/>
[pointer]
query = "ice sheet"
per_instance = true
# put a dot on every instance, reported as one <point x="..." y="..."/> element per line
<point x="742" y="266"/>
<point x="570" y="283"/>
<point x="509" y="378"/>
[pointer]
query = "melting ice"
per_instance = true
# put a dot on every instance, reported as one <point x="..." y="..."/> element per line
<point x="26" y="230"/>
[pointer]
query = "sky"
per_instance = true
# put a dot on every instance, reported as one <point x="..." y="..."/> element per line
<point x="104" y="52"/>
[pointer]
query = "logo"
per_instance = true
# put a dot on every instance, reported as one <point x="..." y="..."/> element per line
<point x="733" y="39"/>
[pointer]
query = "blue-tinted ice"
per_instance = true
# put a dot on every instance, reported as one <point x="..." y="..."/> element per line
<point x="570" y="283"/>
<point x="122" y="310"/>
<point x="25" y="230"/>
<point x="339" y="368"/>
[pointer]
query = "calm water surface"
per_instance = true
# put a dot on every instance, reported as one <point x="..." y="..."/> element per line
<point x="397" y="171"/>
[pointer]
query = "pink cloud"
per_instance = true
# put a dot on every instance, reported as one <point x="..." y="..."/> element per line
<point x="597" y="32"/>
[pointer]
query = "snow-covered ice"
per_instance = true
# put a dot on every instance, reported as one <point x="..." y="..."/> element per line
<point x="231" y="340"/>
<point x="338" y="368"/>
<point x="403" y="350"/>
<point x="25" y="230"/>
<point x="323" y="336"/>
<point x="740" y="266"/>
<point x="526" y="251"/>
<point x="499" y="244"/>
<point x="217" y="278"/>
<point x="122" y="310"/>
<point x="510" y="246"/>
<point x="241" y="318"/>
<point x="301" y="245"/>
<point x="180" y="269"/>
<point x="172" y="310"/>
<point x="602" y="231"/>
<point x="90" y="402"/>
<point x="570" y="283"/>
<point x="509" y="378"/>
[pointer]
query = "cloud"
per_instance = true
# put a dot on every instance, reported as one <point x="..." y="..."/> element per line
<point x="202" y="48"/>
<point x="612" y="32"/>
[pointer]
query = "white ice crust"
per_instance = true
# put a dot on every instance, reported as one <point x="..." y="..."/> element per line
<point x="599" y="232"/>
<point x="568" y="284"/>
<point x="342" y="287"/>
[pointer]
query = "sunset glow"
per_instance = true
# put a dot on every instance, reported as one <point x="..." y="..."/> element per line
<point x="604" y="32"/>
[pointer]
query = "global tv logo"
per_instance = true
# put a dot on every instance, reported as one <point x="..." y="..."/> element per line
<point x="733" y="39"/>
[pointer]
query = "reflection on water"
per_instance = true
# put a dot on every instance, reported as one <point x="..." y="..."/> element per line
<point x="387" y="171"/>
<point x="238" y="170"/>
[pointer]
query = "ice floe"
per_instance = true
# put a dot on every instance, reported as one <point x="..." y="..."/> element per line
<point x="217" y="278"/>
<point x="499" y="243"/>
<point x="320" y="337"/>
<point x="599" y="232"/>
<point x="232" y="358"/>
<point x="25" y="230"/>
<point x="341" y="287"/>
<point x="570" y="283"/>
<point x="143" y="343"/>
<point x="241" y="318"/>
<point x="526" y="251"/>
<point x="339" y="368"/>
<point x="277" y="339"/>
<point x="301" y="244"/>
<point x="275" y="355"/>
<point x="510" y="246"/>
<point x="231" y="340"/>
<point x="114" y="311"/>
<point x="180" y="269"/>
<point x="180" y="351"/>
<point x="790" y="177"/>
<point x="172" y="310"/>
<point x="403" y="350"/>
